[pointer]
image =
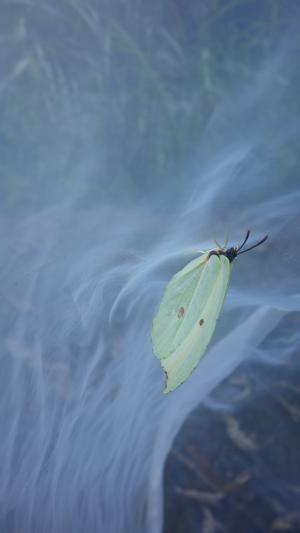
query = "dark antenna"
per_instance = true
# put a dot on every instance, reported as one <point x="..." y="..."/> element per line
<point x="245" y="240"/>
<point x="254" y="245"/>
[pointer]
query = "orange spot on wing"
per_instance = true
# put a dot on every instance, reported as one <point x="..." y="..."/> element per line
<point x="181" y="312"/>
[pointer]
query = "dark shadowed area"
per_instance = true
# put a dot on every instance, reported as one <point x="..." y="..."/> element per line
<point x="131" y="135"/>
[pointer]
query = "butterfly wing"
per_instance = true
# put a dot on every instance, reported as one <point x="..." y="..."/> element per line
<point x="174" y="307"/>
<point x="205" y="307"/>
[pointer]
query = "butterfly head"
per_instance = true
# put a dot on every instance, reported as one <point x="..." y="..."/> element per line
<point x="232" y="253"/>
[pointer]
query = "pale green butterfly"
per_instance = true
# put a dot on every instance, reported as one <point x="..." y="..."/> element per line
<point x="188" y="313"/>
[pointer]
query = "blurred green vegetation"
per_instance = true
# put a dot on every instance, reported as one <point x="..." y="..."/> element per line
<point x="120" y="91"/>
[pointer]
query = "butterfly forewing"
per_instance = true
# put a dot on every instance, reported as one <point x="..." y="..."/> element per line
<point x="198" y="302"/>
<point x="174" y="307"/>
<point x="184" y="359"/>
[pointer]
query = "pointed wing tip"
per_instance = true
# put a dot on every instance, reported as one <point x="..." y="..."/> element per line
<point x="168" y="388"/>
